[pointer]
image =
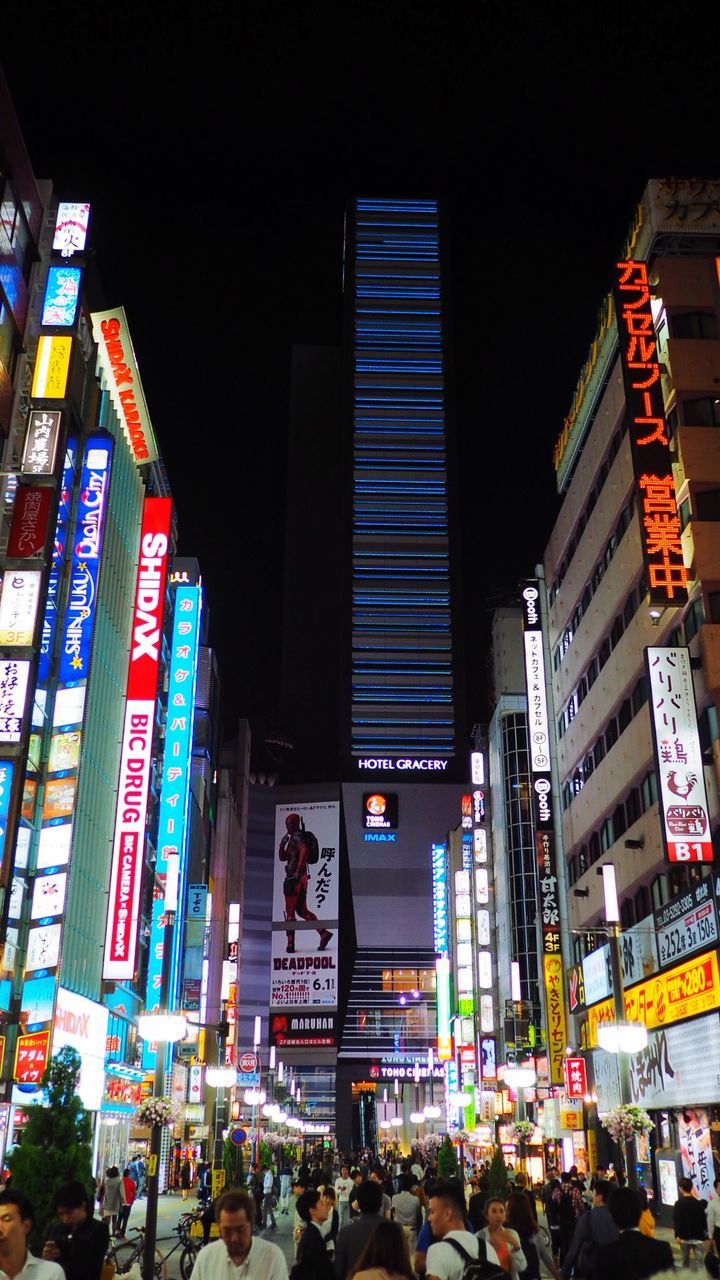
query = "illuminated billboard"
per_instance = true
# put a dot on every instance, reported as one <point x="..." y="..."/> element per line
<point x="441" y="932"/>
<point x="71" y="226"/>
<point x="136" y="749"/>
<point x="380" y="811"/>
<point x="79" y="620"/>
<point x="52" y="364"/>
<point x="13" y="689"/>
<point x="41" y="440"/>
<point x="175" y="787"/>
<point x="62" y="294"/>
<point x="650" y="444"/>
<point x="117" y="361"/>
<point x="29" y="527"/>
<point x="678" y="756"/>
<point x="19" y="605"/>
<point x="54" y="576"/>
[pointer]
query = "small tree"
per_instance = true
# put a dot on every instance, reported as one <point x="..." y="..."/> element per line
<point x="497" y="1176"/>
<point x="447" y="1163"/>
<point x="56" y="1145"/>
<point x="233" y="1164"/>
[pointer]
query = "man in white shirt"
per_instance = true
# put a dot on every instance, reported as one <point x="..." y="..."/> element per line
<point x="447" y="1221"/>
<point x="268" y="1204"/>
<point x="343" y="1186"/>
<point x="238" y="1255"/>
<point x="16" y="1261"/>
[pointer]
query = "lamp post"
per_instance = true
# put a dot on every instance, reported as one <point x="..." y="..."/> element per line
<point x="622" y="1037"/>
<point x="164" y="1028"/>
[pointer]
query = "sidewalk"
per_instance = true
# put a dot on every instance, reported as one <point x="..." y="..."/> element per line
<point x="170" y="1207"/>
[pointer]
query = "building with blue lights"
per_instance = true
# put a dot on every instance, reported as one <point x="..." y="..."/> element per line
<point x="372" y="674"/>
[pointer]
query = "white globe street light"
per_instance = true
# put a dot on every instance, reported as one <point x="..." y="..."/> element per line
<point x="165" y="1028"/>
<point x="520" y="1077"/>
<point x="220" y="1077"/>
<point x="431" y="1112"/>
<point x="417" y="1117"/>
<point x="396" y="1121"/>
<point x="622" y="1037"/>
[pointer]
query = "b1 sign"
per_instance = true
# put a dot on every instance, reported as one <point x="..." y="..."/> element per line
<point x="678" y="756"/>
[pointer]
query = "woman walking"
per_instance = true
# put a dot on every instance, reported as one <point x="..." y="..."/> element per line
<point x="112" y="1195"/>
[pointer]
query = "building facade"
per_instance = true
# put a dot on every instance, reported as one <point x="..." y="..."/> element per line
<point x="631" y="565"/>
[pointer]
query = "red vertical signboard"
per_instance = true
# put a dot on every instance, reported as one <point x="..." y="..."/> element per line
<point x="659" y="519"/>
<point x="136" y="758"/>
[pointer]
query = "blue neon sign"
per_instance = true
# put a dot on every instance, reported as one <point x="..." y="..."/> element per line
<point x="79" y="623"/>
<point x="440" y="906"/>
<point x="6" y="779"/>
<point x="175" y="787"/>
<point x="61" y="524"/>
<point x="62" y="292"/>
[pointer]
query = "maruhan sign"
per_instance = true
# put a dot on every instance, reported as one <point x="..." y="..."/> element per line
<point x="422" y="764"/>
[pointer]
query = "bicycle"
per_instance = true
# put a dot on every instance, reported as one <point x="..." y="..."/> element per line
<point x="127" y="1252"/>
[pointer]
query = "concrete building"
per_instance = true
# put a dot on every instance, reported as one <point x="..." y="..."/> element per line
<point x="602" y="573"/>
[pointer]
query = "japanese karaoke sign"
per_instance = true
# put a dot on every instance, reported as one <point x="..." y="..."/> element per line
<point x="678" y="756"/>
<point x="659" y="519"/>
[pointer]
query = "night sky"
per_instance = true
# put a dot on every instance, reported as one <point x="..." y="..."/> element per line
<point x="218" y="145"/>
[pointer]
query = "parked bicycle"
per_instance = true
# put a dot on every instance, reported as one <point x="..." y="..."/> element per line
<point x="126" y="1252"/>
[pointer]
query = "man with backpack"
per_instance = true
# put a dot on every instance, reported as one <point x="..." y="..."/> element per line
<point x="593" y="1229"/>
<point x="458" y="1254"/>
<point x="568" y="1205"/>
<point x="299" y="850"/>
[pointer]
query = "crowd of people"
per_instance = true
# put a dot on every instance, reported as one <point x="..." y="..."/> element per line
<point x="361" y="1220"/>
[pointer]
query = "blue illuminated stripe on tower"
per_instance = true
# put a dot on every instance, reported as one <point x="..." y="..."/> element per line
<point x="402" y="671"/>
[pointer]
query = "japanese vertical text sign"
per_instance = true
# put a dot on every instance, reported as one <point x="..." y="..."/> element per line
<point x="555" y="1005"/>
<point x="136" y="750"/>
<point x="659" y="520"/>
<point x="575" y="1077"/>
<point x="539" y="744"/>
<point x="678" y="756"/>
<point x="79" y="621"/>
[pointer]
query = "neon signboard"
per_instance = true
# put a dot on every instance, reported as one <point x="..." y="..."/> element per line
<point x="439" y="892"/>
<point x="136" y="751"/>
<point x="678" y="756"/>
<point x="79" y="623"/>
<point x="117" y="361"/>
<point x="62" y="294"/>
<point x="659" y="520"/>
<point x="51" y="368"/>
<point x="41" y="442"/>
<point x="175" y="786"/>
<point x="13" y="689"/>
<point x="53" y="584"/>
<point x="71" y="227"/>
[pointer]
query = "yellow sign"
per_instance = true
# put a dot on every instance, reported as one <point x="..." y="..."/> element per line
<point x="218" y="1181"/>
<point x="570" y="1113"/>
<point x="556" y="1024"/>
<point x="51" y="368"/>
<point x="683" y="992"/>
<point x="152" y="1166"/>
<point x="592" y="1149"/>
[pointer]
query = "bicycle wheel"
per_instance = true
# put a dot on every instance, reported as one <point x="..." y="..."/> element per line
<point x="187" y="1261"/>
<point x="123" y="1255"/>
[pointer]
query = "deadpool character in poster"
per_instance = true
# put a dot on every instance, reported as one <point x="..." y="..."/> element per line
<point x="299" y="850"/>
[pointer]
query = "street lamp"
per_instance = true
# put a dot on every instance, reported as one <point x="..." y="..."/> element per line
<point x="623" y="1037"/>
<point x="167" y="1028"/>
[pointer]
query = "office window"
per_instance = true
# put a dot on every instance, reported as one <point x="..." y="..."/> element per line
<point x="607" y="834"/>
<point x="694" y="324"/>
<point x="694" y="618"/>
<point x="611" y="734"/>
<point x="684" y="513"/>
<point x="707" y="504"/>
<point x="703" y="411"/>
<point x="714" y="606"/>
